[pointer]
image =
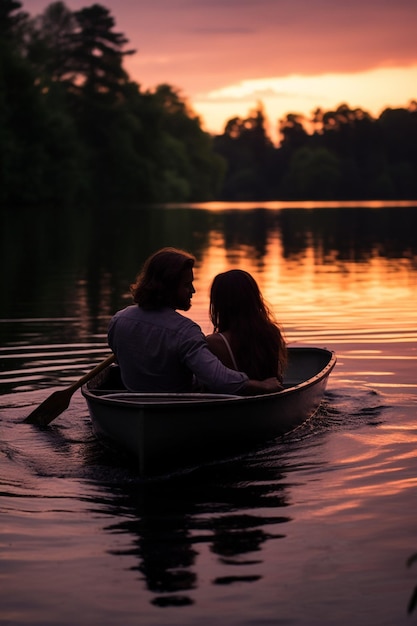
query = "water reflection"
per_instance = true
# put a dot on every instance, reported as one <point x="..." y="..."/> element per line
<point x="172" y="523"/>
<point x="59" y="268"/>
<point x="347" y="272"/>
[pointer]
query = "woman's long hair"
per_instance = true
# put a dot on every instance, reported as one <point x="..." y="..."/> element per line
<point x="157" y="283"/>
<point x="237" y="306"/>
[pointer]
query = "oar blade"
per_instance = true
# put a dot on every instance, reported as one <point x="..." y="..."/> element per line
<point x="59" y="400"/>
<point x="50" y="408"/>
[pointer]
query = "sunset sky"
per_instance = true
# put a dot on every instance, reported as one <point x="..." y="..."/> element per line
<point x="226" y="56"/>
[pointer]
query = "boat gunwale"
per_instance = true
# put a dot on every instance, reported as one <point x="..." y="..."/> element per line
<point x="135" y="400"/>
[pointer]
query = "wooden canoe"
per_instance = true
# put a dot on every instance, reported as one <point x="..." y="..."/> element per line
<point x="168" y="431"/>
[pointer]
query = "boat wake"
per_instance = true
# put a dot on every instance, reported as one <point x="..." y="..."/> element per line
<point x="68" y="449"/>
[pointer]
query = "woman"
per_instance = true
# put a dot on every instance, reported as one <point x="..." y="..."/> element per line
<point x="245" y="337"/>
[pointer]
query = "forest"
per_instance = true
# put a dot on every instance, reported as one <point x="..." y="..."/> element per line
<point x="75" y="129"/>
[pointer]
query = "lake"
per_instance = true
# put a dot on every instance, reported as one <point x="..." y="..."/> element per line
<point x="314" y="528"/>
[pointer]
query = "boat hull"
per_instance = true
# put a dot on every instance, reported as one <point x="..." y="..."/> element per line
<point x="165" y="431"/>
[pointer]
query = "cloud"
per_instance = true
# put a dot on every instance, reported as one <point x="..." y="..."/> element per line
<point x="249" y="93"/>
<point x="370" y="91"/>
<point x="219" y="30"/>
<point x="203" y="45"/>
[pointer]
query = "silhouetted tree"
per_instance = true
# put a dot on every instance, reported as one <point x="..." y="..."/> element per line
<point x="399" y="133"/>
<point x="292" y="132"/>
<point x="248" y="152"/>
<point x="51" y="44"/>
<point x="313" y="173"/>
<point x="189" y="167"/>
<point x="10" y="18"/>
<point x="98" y="51"/>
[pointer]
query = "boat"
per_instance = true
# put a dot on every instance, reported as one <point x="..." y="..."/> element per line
<point x="167" y="431"/>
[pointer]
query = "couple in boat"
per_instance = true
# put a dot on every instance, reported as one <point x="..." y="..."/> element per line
<point x="160" y="350"/>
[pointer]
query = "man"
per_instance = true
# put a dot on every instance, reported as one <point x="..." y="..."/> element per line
<point x="157" y="348"/>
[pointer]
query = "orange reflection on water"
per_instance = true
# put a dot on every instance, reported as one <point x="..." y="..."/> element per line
<point x="361" y="303"/>
<point x="368" y="470"/>
<point x="379" y="293"/>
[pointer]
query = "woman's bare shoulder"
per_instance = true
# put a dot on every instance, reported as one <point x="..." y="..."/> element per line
<point x="214" y="339"/>
<point x="218" y="347"/>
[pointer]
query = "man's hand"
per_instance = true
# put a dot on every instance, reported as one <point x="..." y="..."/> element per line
<point x="269" y="385"/>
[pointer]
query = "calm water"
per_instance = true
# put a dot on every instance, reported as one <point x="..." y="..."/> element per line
<point x="312" y="529"/>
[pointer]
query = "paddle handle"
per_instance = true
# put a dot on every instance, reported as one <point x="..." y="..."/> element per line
<point x="96" y="370"/>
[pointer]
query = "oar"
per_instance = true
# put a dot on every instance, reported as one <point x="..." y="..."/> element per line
<point x="59" y="400"/>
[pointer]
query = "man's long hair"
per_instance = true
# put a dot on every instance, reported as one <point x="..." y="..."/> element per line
<point x="237" y="306"/>
<point x="157" y="283"/>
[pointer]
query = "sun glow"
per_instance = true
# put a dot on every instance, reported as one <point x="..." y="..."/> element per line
<point x="372" y="91"/>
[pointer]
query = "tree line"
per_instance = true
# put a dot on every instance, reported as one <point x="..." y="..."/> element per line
<point x="346" y="155"/>
<point x="75" y="129"/>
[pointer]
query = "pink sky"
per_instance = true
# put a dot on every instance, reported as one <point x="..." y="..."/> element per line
<point x="297" y="54"/>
